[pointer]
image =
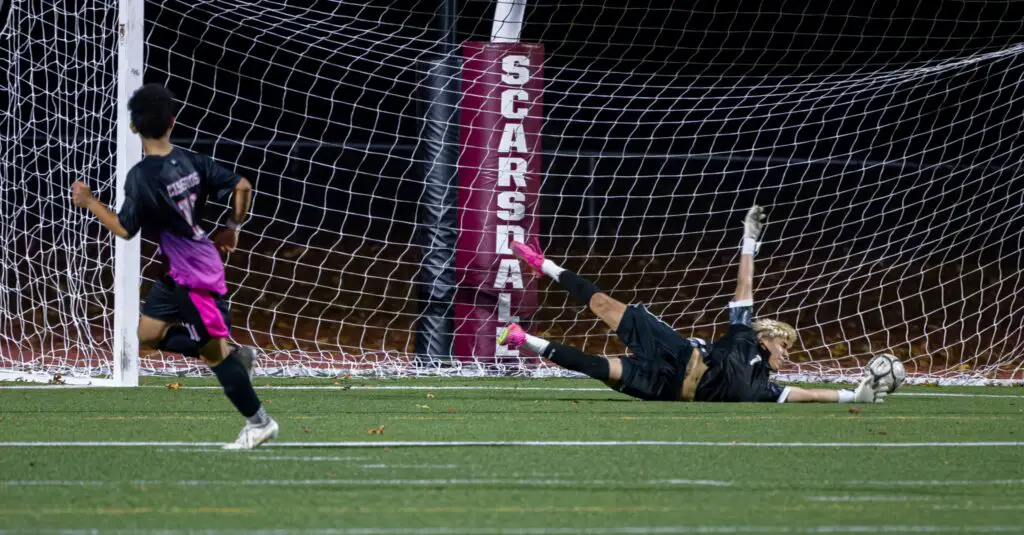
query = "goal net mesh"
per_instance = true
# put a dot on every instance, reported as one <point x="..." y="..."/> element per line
<point x="884" y="141"/>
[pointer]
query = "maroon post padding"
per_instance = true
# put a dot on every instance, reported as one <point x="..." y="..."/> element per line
<point x="499" y="183"/>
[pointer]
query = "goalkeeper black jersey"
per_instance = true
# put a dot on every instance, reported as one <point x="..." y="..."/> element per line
<point x="737" y="365"/>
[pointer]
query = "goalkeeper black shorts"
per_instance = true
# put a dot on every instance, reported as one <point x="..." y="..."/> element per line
<point x="660" y="356"/>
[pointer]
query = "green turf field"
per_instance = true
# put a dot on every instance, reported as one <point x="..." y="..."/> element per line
<point x="712" y="468"/>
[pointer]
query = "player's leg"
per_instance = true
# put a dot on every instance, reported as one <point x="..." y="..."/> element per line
<point x="209" y="317"/>
<point x="159" y="326"/>
<point x="583" y="291"/>
<point x="605" y="369"/>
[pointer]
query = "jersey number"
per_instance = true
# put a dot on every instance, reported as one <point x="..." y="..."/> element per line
<point x="186" y="206"/>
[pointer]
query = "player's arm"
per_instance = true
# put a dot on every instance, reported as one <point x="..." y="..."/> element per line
<point x="864" y="393"/>
<point x="753" y="223"/>
<point x="226" y="238"/>
<point x="241" y="202"/>
<point x="809" y="395"/>
<point x="124" y="225"/>
<point x="741" y="308"/>
<point x="226" y="187"/>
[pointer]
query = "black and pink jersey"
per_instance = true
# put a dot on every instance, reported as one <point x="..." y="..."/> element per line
<point x="165" y="196"/>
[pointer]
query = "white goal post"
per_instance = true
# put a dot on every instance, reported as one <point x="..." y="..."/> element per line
<point x="395" y="151"/>
<point x="120" y="40"/>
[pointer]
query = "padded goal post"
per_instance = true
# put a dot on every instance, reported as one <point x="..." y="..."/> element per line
<point x="499" y="186"/>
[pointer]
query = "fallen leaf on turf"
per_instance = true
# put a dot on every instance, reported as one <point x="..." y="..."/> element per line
<point x="266" y="402"/>
<point x="574" y="402"/>
<point x="173" y="386"/>
<point x="306" y="430"/>
<point x="452" y="410"/>
<point x="854" y="410"/>
<point x="422" y="406"/>
<point x="376" y="430"/>
<point x="429" y="395"/>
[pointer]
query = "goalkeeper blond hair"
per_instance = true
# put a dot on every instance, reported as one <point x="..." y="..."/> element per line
<point x="768" y="328"/>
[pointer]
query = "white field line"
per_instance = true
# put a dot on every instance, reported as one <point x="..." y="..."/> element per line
<point x="527" y="482"/>
<point x="467" y="388"/>
<point x="834" y="529"/>
<point x="522" y="443"/>
<point x="869" y="499"/>
<point x="939" y="482"/>
<point x="414" y="466"/>
<point x="455" y="482"/>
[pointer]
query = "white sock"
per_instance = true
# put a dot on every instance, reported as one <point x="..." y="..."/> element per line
<point x="845" y="396"/>
<point x="535" y="344"/>
<point x="260" y="418"/>
<point x="551" y="269"/>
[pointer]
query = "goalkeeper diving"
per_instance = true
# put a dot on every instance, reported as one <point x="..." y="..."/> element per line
<point x="665" y="366"/>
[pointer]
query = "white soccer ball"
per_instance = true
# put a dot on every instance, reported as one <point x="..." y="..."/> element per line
<point x="887" y="371"/>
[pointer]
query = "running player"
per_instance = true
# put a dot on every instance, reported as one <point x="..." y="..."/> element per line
<point x="667" y="367"/>
<point x="185" y="311"/>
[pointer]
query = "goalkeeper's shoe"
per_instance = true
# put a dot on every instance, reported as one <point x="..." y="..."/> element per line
<point x="252" y="436"/>
<point x="512" y="336"/>
<point x="530" y="254"/>
<point x="869" y="391"/>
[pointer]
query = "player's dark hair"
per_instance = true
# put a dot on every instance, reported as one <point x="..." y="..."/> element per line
<point x="152" y="109"/>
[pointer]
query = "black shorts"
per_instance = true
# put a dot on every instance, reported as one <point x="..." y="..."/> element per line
<point x="203" y="313"/>
<point x="660" y="356"/>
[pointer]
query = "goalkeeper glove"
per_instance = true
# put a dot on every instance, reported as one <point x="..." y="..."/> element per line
<point x="753" y="225"/>
<point x="869" y="391"/>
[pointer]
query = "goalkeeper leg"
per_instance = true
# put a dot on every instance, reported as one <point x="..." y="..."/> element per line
<point x="605" y="369"/>
<point x="583" y="291"/>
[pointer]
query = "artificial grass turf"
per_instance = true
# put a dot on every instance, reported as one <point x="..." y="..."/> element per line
<point x="544" y="489"/>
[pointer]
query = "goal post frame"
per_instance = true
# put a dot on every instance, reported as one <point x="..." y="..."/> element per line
<point x="130" y="51"/>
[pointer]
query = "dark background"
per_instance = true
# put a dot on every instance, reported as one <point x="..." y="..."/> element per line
<point x="884" y="138"/>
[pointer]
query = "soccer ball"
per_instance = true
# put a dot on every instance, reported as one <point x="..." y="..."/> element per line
<point x="887" y="371"/>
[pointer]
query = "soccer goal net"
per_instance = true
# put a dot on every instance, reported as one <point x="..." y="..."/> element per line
<point x="397" y="147"/>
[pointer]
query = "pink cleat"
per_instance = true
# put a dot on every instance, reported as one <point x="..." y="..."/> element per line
<point x="512" y="336"/>
<point x="529" y="253"/>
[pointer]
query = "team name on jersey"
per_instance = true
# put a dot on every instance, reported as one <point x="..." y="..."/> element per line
<point x="183" y="184"/>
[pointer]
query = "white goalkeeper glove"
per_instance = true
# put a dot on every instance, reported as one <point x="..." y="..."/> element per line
<point x="753" y="225"/>
<point x="869" y="391"/>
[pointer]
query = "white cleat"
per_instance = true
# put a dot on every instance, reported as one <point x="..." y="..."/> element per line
<point x="252" y="436"/>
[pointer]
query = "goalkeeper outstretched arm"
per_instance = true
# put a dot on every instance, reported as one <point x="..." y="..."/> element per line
<point x="774" y="337"/>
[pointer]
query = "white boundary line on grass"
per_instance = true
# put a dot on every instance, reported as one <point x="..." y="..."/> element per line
<point x="547" y="482"/>
<point x="833" y="529"/>
<point x="520" y="443"/>
<point x="465" y="388"/>
<point x="457" y="482"/>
